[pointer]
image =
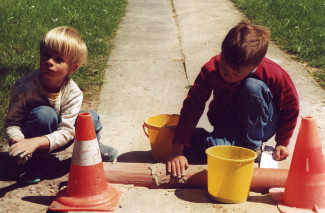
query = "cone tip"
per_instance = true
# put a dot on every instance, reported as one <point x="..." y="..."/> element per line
<point x="84" y="114"/>
<point x="309" y="117"/>
<point x="85" y="128"/>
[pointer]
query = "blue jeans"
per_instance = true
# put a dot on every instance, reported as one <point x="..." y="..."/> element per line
<point x="44" y="120"/>
<point x="247" y="120"/>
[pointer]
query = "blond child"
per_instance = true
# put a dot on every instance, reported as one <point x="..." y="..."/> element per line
<point x="44" y="104"/>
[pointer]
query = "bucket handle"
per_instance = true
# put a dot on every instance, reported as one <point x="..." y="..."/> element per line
<point x="144" y="130"/>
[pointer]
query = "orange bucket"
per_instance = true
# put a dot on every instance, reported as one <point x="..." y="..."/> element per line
<point x="161" y="130"/>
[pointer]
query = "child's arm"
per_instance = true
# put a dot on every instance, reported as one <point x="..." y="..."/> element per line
<point x="288" y="103"/>
<point x="16" y="112"/>
<point x="22" y="147"/>
<point x="70" y="105"/>
<point x="193" y="108"/>
<point x="194" y="105"/>
<point x="25" y="93"/>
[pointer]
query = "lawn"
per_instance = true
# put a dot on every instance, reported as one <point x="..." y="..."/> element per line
<point x="297" y="26"/>
<point x="23" y="24"/>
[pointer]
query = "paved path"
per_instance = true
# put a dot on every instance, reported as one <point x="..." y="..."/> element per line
<point x="159" y="49"/>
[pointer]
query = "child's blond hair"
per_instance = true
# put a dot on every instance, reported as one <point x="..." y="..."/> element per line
<point x="67" y="42"/>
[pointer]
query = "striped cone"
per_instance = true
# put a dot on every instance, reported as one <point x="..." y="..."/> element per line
<point x="87" y="188"/>
<point x="305" y="186"/>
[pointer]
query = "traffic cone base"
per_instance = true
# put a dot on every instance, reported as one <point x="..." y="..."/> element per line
<point x="87" y="188"/>
<point x="277" y="196"/>
<point x="107" y="201"/>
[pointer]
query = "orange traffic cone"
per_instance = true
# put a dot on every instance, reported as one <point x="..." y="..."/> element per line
<point x="87" y="188"/>
<point x="305" y="186"/>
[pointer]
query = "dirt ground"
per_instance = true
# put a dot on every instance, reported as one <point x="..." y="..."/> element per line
<point x="159" y="49"/>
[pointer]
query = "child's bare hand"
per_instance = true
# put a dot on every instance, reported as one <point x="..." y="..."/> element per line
<point x="15" y="139"/>
<point x="22" y="148"/>
<point x="177" y="165"/>
<point x="281" y="153"/>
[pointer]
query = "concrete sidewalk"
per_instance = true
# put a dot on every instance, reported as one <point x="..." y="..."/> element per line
<point x="159" y="49"/>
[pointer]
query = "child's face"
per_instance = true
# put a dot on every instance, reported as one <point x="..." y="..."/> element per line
<point x="231" y="76"/>
<point x="54" y="66"/>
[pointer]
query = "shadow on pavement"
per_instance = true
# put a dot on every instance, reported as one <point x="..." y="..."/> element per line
<point x="48" y="166"/>
<point x="202" y="196"/>
<point x="266" y="198"/>
<point x="193" y="195"/>
<point x="136" y="157"/>
<point x="8" y="168"/>
<point x="42" y="200"/>
<point x="9" y="188"/>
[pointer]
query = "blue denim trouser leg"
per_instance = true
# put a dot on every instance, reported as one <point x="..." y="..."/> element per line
<point x="257" y="117"/>
<point x="41" y="120"/>
<point x="246" y="121"/>
<point x="202" y="140"/>
<point x="44" y="120"/>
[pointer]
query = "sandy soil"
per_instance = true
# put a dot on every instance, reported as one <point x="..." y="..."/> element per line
<point x="155" y="56"/>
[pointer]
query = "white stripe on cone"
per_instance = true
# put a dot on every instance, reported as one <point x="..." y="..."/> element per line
<point x="86" y="153"/>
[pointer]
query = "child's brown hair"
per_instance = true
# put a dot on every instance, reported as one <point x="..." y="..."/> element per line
<point x="245" y="44"/>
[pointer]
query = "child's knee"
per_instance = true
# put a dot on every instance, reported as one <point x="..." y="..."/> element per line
<point x="41" y="120"/>
<point x="255" y="88"/>
<point x="43" y="115"/>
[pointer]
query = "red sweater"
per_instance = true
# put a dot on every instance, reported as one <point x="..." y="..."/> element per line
<point x="284" y="93"/>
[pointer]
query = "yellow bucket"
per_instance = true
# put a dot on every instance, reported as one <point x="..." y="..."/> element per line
<point x="230" y="171"/>
<point x="161" y="130"/>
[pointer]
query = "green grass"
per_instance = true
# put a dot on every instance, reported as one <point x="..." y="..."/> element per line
<point x="23" y="24"/>
<point x="297" y="26"/>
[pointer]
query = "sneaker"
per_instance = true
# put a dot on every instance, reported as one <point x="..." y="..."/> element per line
<point x="108" y="153"/>
<point x="29" y="177"/>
